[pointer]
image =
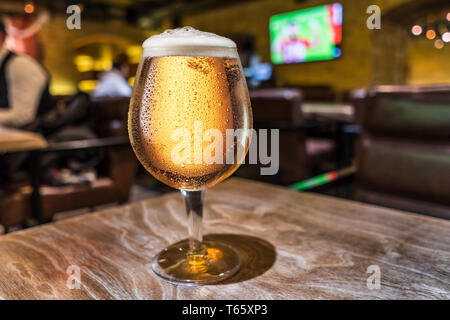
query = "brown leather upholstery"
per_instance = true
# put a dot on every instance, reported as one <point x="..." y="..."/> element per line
<point x="316" y="92"/>
<point x="404" y="150"/>
<point x="276" y="106"/>
<point x="281" y="108"/>
<point x="358" y="100"/>
<point x="111" y="115"/>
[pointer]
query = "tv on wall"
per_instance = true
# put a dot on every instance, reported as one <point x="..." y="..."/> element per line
<point x="306" y="35"/>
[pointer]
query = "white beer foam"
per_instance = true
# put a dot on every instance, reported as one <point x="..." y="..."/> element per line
<point x="188" y="41"/>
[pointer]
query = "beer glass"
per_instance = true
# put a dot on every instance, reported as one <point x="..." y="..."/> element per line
<point x="190" y="126"/>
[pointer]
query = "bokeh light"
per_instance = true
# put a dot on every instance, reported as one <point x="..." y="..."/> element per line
<point x="416" y="30"/>
<point x="431" y="34"/>
<point x="439" y="44"/>
<point x="446" y="36"/>
<point x="28" y="8"/>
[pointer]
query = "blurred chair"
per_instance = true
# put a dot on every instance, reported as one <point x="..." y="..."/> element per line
<point x="358" y="98"/>
<point x="116" y="172"/>
<point x="277" y="106"/>
<point x="316" y="93"/>
<point x="299" y="154"/>
<point x="404" y="151"/>
<point x="111" y="116"/>
<point x="403" y="155"/>
<point x="14" y="209"/>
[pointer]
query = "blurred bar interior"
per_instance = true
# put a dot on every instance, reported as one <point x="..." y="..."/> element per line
<point x="364" y="115"/>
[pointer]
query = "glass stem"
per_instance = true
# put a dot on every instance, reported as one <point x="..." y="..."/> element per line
<point x="194" y="209"/>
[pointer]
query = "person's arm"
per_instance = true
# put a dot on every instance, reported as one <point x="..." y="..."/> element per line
<point x="26" y="80"/>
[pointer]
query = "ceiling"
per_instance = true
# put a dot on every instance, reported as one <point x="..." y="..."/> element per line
<point x="150" y="13"/>
<point x="129" y="10"/>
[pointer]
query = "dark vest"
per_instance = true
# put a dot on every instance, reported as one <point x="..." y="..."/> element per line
<point x="4" y="102"/>
<point x="46" y="102"/>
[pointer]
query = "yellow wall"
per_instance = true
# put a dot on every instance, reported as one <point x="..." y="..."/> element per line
<point x="357" y="66"/>
<point x="428" y="65"/>
<point x="351" y="70"/>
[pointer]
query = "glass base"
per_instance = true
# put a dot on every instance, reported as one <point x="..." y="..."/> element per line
<point x="175" y="266"/>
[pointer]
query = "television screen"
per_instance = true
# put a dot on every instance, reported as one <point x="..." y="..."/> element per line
<point x="306" y="35"/>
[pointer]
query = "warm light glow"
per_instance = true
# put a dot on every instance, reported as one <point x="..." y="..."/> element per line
<point x="416" y="30"/>
<point x="87" y="85"/>
<point x="28" y="8"/>
<point x="134" y="53"/>
<point x="439" y="44"/>
<point x="62" y="87"/>
<point x="431" y="34"/>
<point x="446" y="37"/>
<point x="104" y="60"/>
<point x="448" y="16"/>
<point x="102" y="64"/>
<point x="84" y="63"/>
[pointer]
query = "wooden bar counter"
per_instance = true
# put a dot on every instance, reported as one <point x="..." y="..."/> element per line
<point x="294" y="246"/>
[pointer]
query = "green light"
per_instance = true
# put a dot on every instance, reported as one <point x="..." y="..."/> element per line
<point x="323" y="178"/>
<point x="310" y="183"/>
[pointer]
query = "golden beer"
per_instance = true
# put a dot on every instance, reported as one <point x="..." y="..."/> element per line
<point x="178" y="92"/>
<point x="189" y="124"/>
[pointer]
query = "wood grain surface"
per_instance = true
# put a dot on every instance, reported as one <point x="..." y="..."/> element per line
<point x="294" y="246"/>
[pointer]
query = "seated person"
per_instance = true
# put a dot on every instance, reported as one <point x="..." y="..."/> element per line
<point x="113" y="83"/>
<point x="23" y="87"/>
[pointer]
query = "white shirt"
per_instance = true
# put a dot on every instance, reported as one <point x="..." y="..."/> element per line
<point x="112" y="84"/>
<point x="26" y="80"/>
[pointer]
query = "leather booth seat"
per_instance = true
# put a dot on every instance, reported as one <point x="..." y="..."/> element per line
<point x="404" y="150"/>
